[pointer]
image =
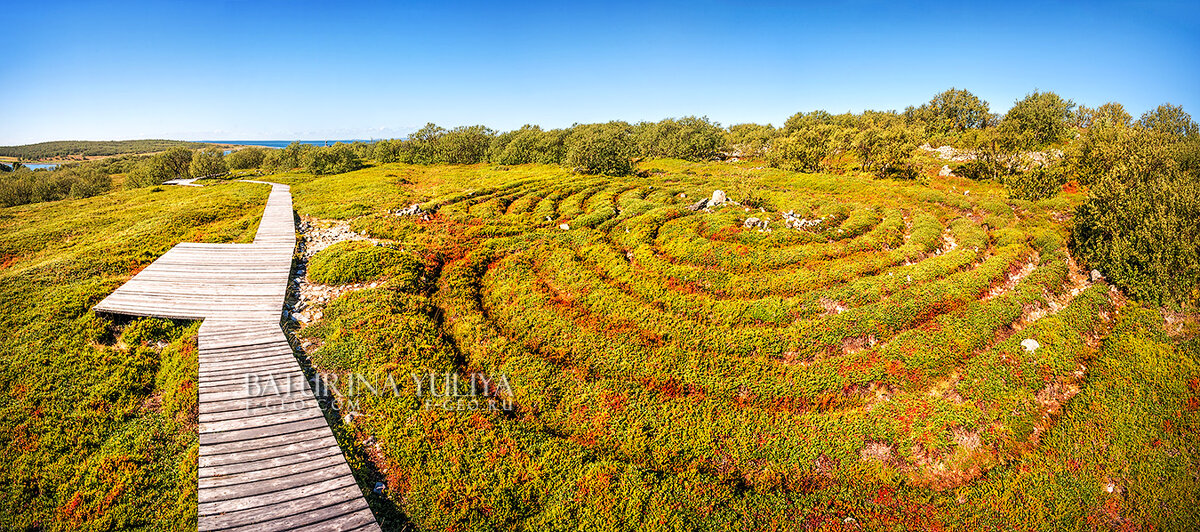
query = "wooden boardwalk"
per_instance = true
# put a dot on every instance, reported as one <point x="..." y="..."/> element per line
<point x="268" y="460"/>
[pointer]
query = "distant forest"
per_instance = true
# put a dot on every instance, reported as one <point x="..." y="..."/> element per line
<point x="91" y="148"/>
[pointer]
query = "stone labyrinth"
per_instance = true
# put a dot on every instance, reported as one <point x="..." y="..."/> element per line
<point x="843" y="330"/>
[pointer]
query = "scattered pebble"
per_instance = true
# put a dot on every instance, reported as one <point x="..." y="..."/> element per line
<point x="310" y="298"/>
<point x="411" y="210"/>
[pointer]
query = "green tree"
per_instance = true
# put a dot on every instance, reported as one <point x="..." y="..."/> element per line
<point x="1140" y="224"/>
<point x="16" y="187"/>
<point x="749" y="140"/>
<point x="886" y="151"/>
<point x="292" y="155"/>
<point x="272" y="160"/>
<point x="149" y="173"/>
<point x="1170" y="120"/>
<point x="392" y="151"/>
<point x="363" y="150"/>
<point x="517" y="147"/>
<point x="337" y="159"/>
<point x="424" y="144"/>
<point x="803" y="150"/>
<point x="1107" y="145"/>
<point x="1040" y="119"/>
<point x="689" y="138"/>
<point x="801" y="120"/>
<point x="952" y="111"/>
<point x="997" y="153"/>
<point x="870" y="118"/>
<point x="174" y="163"/>
<point x="84" y="180"/>
<point x="500" y="141"/>
<point x="551" y="147"/>
<point x="464" y="145"/>
<point x="1039" y="181"/>
<point x="177" y="162"/>
<point x="601" y="149"/>
<point x="208" y="162"/>
<point x="87" y="180"/>
<point x="245" y="158"/>
<point x="1109" y="114"/>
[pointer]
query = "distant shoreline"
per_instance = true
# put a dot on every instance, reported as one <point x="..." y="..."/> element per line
<point x="283" y="143"/>
<point x="224" y="144"/>
<point x="87" y="158"/>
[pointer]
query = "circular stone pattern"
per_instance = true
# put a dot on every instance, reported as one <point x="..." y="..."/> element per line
<point x="849" y="329"/>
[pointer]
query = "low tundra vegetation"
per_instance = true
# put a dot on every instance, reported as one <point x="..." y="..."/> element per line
<point x="357" y="261"/>
<point x="98" y="416"/>
<point x="911" y="355"/>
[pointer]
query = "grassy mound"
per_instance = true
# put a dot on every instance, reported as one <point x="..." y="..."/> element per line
<point x="358" y="261"/>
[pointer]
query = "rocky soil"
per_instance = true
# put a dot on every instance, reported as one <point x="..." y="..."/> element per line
<point x="307" y="301"/>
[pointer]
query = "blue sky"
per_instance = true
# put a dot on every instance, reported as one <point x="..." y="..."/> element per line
<point x="328" y="70"/>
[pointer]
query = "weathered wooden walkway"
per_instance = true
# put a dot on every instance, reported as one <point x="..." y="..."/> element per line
<point x="268" y="460"/>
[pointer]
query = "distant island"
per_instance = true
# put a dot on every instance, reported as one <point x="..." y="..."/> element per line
<point x="61" y="151"/>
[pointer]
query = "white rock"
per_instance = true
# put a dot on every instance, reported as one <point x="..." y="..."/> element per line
<point x="718" y="197"/>
<point x="945" y="171"/>
<point x="564" y="227"/>
<point x="1030" y="344"/>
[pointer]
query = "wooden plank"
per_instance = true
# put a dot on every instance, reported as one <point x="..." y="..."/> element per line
<point x="284" y="496"/>
<point x="308" y="471"/>
<point x="293" y="514"/>
<point x="297" y="454"/>
<point x="264" y="454"/>
<point x="268" y="460"/>
<point x="253" y="409"/>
